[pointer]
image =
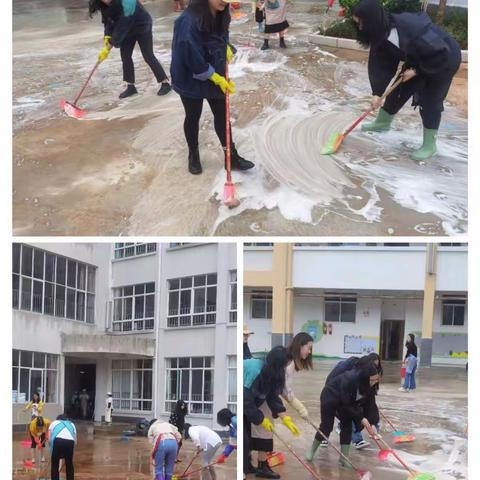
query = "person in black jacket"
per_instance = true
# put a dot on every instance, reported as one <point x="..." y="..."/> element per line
<point x="410" y="362"/>
<point x="177" y="418"/>
<point x="431" y="58"/>
<point x="127" y="22"/>
<point x="263" y="384"/>
<point x="200" y="52"/>
<point x="347" y="396"/>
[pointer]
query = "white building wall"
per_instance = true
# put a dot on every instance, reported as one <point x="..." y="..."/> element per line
<point x="258" y="259"/>
<point x="452" y="269"/>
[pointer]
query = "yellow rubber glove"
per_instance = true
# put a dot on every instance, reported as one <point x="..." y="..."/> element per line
<point x="223" y="83"/>
<point x="106" y="40"/>
<point x="267" y="424"/>
<point x="287" y="421"/>
<point x="104" y="52"/>
<point x="230" y="54"/>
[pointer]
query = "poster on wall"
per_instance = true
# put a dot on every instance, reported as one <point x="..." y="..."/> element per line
<point x="312" y="327"/>
<point x="359" y="345"/>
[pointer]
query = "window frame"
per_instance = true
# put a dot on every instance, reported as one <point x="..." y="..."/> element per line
<point x="232" y="287"/>
<point x="267" y="298"/>
<point x="340" y="300"/>
<point x="455" y="304"/>
<point x="120" y="250"/>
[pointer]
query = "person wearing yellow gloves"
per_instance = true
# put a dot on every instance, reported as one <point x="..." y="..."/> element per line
<point x="200" y="52"/>
<point x="263" y="383"/>
<point x="127" y="23"/>
<point x="38" y="429"/>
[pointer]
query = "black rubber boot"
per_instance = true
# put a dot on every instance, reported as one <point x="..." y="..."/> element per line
<point x="282" y="43"/>
<point x="264" y="471"/>
<point x="238" y="163"/>
<point x="164" y="88"/>
<point x="129" y="91"/>
<point x="194" y="165"/>
<point x="265" y="45"/>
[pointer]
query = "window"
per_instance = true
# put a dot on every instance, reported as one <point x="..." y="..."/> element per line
<point x="262" y="306"/>
<point x="134" y="307"/>
<point x="453" y="312"/>
<point x="192" y="301"/>
<point x="34" y="372"/>
<point x="191" y="380"/>
<point x="126" y="250"/>
<point x="340" y="309"/>
<point x="132" y="384"/>
<point x="232" y="383"/>
<point x="233" y="297"/>
<point x="47" y="283"/>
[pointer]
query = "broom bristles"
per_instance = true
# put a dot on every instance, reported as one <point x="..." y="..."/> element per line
<point x="333" y="142"/>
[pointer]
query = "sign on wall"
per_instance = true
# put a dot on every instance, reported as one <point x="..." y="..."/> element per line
<point x="314" y="329"/>
<point x="359" y="345"/>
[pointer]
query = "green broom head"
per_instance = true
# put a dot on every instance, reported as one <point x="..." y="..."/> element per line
<point x="422" y="476"/>
<point x="333" y="142"/>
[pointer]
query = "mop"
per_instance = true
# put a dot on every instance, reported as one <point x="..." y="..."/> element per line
<point x="362" y="474"/>
<point x="71" y="109"/>
<point x="399" y="437"/>
<point x="290" y="449"/>
<point x="229" y="198"/>
<point x="384" y="453"/>
<point x="335" y="139"/>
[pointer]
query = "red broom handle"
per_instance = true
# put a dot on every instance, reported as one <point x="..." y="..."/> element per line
<point x="385" y="95"/>
<point x="390" y="449"/>
<point x="227" y="128"/>
<point x="184" y="474"/>
<point x="86" y="83"/>
<point x="191" y="461"/>
<point x="310" y="470"/>
<point x="387" y="420"/>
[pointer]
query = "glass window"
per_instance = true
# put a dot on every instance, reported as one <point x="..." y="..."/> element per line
<point x="16" y="248"/>
<point x="70" y="303"/>
<point x="49" y="305"/>
<point x="453" y="313"/>
<point x="339" y="309"/>
<point x="15" y="290"/>
<point x="81" y="276"/>
<point x="50" y="267"/>
<point x="132" y="303"/>
<point x="61" y="270"/>
<point x="262" y="307"/>
<point x="38" y="264"/>
<point x="72" y="273"/>
<point x="27" y="257"/>
<point x="37" y="299"/>
<point x="80" y="306"/>
<point x="26" y="294"/>
<point x="59" y="301"/>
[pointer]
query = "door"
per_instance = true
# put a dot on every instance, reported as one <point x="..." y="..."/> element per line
<point x="391" y="339"/>
<point x="80" y="379"/>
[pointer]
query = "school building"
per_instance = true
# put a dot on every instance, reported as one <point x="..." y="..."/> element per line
<point x="151" y="323"/>
<point x="358" y="298"/>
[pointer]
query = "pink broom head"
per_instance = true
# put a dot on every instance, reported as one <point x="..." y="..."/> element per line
<point x="384" y="454"/>
<point x="229" y="198"/>
<point x="365" y="475"/>
<point x="275" y="458"/>
<point x="403" y="439"/>
<point x="72" y="110"/>
<point x="27" y="464"/>
<point x="25" y="443"/>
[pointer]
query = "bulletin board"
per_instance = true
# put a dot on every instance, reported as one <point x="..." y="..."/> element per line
<point x="359" y="345"/>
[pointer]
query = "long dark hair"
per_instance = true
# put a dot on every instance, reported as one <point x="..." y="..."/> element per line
<point x="219" y="23"/>
<point x="272" y="375"/>
<point x="38" y="400"/>
<point x="299" y="340"/>
<point x="95" y="6"/>
<point x="181" y="408"/>
<point x="376" y="23"/>
<point x="412" y="336"/>
<point x="364" y="374"/>
<point x="224" y="417"/>
<point x="370" y="358"/>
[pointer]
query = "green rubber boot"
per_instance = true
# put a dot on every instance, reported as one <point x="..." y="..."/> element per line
<point x="311" y="451"/>
<point x="345" y="449"/>
<point x="429" y="147"/>
<point x="381" y="124"/>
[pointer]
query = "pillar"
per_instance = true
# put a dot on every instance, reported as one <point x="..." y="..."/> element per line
<point x="426" y="343"/>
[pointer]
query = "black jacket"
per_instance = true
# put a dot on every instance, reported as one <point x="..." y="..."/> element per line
<point x="342" y="367"/>
<point x="422" y="45"/>
<point x="342" y="394"/>
<point x="254" y="396"/>
<point x="246" y="351"/>
<point x="124" y="18"/>
<point x="411" y="350"/>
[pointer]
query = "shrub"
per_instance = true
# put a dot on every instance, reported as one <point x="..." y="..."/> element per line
<point x="394" y="6"/>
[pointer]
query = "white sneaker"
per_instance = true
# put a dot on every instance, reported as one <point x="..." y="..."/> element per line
<point x="324" y="443"/>
<point x="43" y="459"/>
<point x="402" y="389"/>
<point x="337" y="429"/>
<point x="361" y="444"/>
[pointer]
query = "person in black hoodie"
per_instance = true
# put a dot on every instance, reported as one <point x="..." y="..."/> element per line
<point x="263" y="383"/>
<point x="177" y="418"/>
<point x="410" y="362"/>
<point x="431" y="55"/>
<point x="347" y="396"/>
<point x="127" y="22"/>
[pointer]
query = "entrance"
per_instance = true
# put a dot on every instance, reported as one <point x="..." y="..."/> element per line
<point x="80" y="390"/>
<point x="391" y="339"/>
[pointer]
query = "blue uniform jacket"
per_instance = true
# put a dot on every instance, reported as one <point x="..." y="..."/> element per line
<point x="196" y="55"/>
<point x="124" y="18"/>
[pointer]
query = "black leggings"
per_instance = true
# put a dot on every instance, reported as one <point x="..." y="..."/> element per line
<point x="145" y="42"/>
<point x="328" y="413"/>
<point x="431" y="94"/>
<point x="247" y="437"/>
<point x="62" y="448"/>
<point x="193" y="111"/>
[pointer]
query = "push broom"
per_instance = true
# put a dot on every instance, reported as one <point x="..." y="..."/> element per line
<point x="399" y="437"/>
<point x="71" y="108"/>
<point x="335" y="139"/>
<point x="189" y="474"/>
<point x="190" y="464"/>
<point x="362" y="474"/>
<point x="290" y="449"/>
<point x="229" y="198"/>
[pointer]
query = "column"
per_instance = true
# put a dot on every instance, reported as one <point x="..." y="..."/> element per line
<point x="428" y="305"/>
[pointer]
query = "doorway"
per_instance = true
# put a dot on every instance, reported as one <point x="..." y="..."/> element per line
<point x="80" y="390"/>
<point x="391" y="339"/>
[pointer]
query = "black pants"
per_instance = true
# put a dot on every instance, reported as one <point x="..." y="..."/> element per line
<point x="247" y="438"/>
<point x="62" y="448"/>
<point x="145" y="41"/>
<point x="328" y="412"/>
<point x="431" y="93"/>
<point x="193" y="110"/>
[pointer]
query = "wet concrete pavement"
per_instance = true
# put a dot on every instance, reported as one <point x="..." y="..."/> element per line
<point x="123" y="171"/>
<point x="109" y="457"/>
<point x="436" y="413"/>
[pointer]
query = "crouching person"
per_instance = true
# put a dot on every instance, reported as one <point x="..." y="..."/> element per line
<point x="165" y="439"/>
<point x="62" y="436"/>
<point x="226" y="418"/>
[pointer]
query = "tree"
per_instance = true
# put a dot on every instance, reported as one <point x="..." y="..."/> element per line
<point x="442" y="4"/>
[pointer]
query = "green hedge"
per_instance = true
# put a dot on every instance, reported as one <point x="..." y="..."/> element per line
<point x="455" y="21"/>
